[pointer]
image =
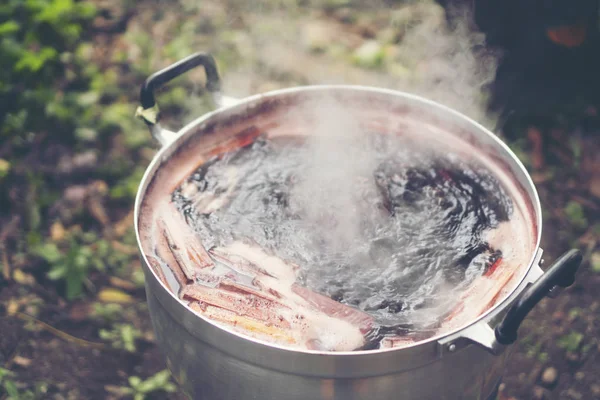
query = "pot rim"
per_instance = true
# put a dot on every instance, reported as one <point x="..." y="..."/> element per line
<point x="160" y="157"/>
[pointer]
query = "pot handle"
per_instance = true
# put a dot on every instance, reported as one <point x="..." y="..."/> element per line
<point x="539" y="284"/>
<point x="149" y="112"/>
<point x="561" y="273"/>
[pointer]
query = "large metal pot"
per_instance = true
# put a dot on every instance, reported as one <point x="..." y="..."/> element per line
<point x="212" y="363"/>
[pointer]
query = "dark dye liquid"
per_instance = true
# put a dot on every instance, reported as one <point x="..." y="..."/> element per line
<point x="418" y="223"/>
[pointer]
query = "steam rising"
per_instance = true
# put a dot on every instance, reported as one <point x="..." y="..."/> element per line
<point x="447" y="65"/>
<point x="421" y="53"/>
<point x="452" y="66"/>
<point x="340" y="162"/>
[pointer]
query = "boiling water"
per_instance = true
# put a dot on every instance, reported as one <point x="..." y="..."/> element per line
<point x="419" y="220"/>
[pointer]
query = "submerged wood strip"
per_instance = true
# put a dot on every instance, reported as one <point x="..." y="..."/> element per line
<point x="259" y="308"/>
<point x="255" y="328"/>
<point x="163" y="251"/>
<point x="241" y="139"/>
<point x="335" y="309"/>
<point x="237" y="263"/>
<point x="157" y="267"/>
<point x="395" y="341"/>
<point x="177" y="238"/>
<point x="230" y="285"/>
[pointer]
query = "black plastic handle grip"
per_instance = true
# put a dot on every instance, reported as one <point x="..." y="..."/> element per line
<point x="213" y="82"/>
<point x="561" y="273"/>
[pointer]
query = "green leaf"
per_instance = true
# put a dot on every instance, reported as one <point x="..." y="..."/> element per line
<point x="88" y="99"/>
<point x="86" y="10"/>
<point x="15" y="121"/>
<point x="98" y="264"/>
<point x="108" y="312"/>
<point x="575" y="312"/>
<point x="134" y="381"/>
<point x="54" y="11"/>
<point x="155" y="382"/>
<point x="33" y="61"/>
<point x="9" y="27"/>
<point x="11" y="389"/>
<point x="4" y="168"/>
<point x="576" y="214"/>
<point x="104" y="334"/>
<point x="81" y="260"/>
<point x="57" y="272"/>
<point x="89" y="236"/>
<point x="86" y="134"/>
<point x="595" y="262"/>
<point x="571" y="342"/>
<point x="48" y="251"/>
<point x="4" y="373"/>
<point x="74" y="285"/>
<point x="128" y="335"/>
<point x="127" y="188"/>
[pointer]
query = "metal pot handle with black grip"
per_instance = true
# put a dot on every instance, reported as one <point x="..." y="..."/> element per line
<point x="561" y="274"/>
<point x="148" y="111"/>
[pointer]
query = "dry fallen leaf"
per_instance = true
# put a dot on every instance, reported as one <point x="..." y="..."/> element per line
<point x="23" y="278"/>
<point x="122" y="283"/>
<point x="12" y="307"/>
<point x="112" y="295"/>
<point x="100" y="187"/>
<point x="21" y="361"/>
<point x="57" y="232"/>
<point x="98" y="211"/>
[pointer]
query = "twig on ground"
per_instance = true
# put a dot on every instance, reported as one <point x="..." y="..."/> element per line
<point x="63" y="335"/>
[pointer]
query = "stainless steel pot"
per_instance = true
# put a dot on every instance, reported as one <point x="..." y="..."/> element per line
<point x="212" y="363"/>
